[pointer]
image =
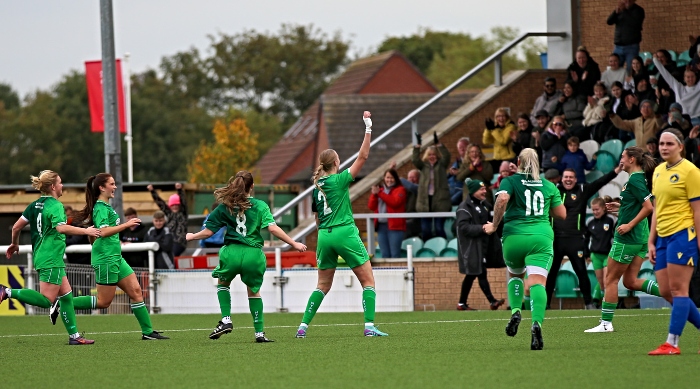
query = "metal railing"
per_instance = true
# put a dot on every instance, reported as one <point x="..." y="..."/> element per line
<point x="498" y="80"/>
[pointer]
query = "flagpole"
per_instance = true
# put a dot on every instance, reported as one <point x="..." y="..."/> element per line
<point x="128" y="138"/>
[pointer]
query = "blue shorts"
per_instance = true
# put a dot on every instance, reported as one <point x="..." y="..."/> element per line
<point x="680" y="248"/>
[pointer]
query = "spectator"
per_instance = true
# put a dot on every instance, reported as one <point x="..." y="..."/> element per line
<point x="217" y="240"/>
<point x="584" y="72"/>
<point x="553" y="143"/>
<point x="69" y="214"/>
<point x="638" y="68"/>
<point x="614" y="71"/>
<point x="571" y="105"/>
<point x="643" y="90"/>
<point x="624" y="108"/>
<point x="390" y="197"/>
<point x="523" y="137"/>
<point x="504" y="171"/>
<point x="455" y="184"/>
<point x="688" y="95"/>
<point x="598" y="242"/>
<point x="160" y="234"/>
<point x="576" y="159"/>
<point x="628" y="18"/>
<point x="542" y="117"/>
<point x="547" y="100"/>
<point x="134" y="234"/>
<point x="411" y="185"/>
<point x="78" y="258"/>
<point x="498" y="132"/>
<point x="476" y="169"/>
<point x="433" y="191"/>
<point x="477" y="250"/>
<point x="569" y="233"/>
<point x="553" y="176"/>
<point x="663" y="60"/>
<point x="652" y="147"/>
<point x="593" y="115"/>
<point x="692" y="147"/>
<point x="643" y="127"/>
<point x="176" y="212"/>
<point x="676" y="119"/>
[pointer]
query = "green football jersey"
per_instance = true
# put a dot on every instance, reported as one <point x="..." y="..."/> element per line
<point x="634" y="193"/>
<point x="527" y="212"/>
<point x="48" y="245"/>
<point x="243" y="229"/>
<point x="333" y="203"/>
<point x="109" y="248"/>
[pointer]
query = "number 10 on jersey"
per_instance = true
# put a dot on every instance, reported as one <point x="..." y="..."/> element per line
<point x="534" y="203"/>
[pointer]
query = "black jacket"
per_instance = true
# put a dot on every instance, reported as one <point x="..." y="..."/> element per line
<point x="599" y="235"/>
<point x="138" y="235"/>
<point x="575" y="202"/>
<point x="476" y="248"/>
<point x="552" y="146"/>
<point x="585" y="87"/>
<point x="164" y="255"/>
<point x="628" y="25"/>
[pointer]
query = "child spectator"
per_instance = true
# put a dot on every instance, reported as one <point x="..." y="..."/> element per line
<point x="176" y="212"/>
<point x="160" y="234"/>
<point x="216" y="240"/>
<point x="576" y="159"/>
<point x="599" y="234"/>
<point x="134" y="234"/>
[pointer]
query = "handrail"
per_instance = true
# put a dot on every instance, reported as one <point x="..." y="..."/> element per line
<point x="495" y="57"/>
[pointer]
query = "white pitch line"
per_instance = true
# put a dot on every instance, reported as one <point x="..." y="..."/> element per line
<point x="339" y="325"/>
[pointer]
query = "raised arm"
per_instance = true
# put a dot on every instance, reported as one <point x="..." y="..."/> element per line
<point x="364" y="149"/>
<point x="672" y="82"/>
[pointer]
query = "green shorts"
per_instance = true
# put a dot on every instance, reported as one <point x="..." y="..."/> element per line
<point x="624" y="252"/>
<point x="52" y="275"/>
<point x="111" y="271"/>
<point x="599" y="261"/>
<point x="249" y="262"/>
<point x="342" y="241"/>
<point x="521" y="252"/>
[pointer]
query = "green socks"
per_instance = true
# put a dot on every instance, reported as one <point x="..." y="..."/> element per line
<point x="369" y="301"/>
<point x="31" y="297"/>
<point x="68" y="313"/>
<point x="141" y="313"/>
<point x="538" y="302"/>
<point x="224" y="295"/>
<point x="651" y="287"/>
<point x="256" y="310"/>
<point x="597" y="295"/>
<point x="607" y="311"/>
<point x="515" y="293"/>
<point x="312" y="306"/>
<point x="85" y="302"/>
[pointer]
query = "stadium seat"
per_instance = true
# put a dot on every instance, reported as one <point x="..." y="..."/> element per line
<point x="622" y="291"/>
<point x="436" y="244"/>
<point x="593" y="175"/>
<point x="613" y="146"/>
<point x="646" y="55"/>
<point x="449" y="223"/>
<point x="567" y="285"/>
<point x="451" y="249"/>
<point x="426" y="253"/>
<point x="495" y="178"/>
<point x="606" y="162"/>
<point x="377" y="252"/>
<point x="683" y="59"/>
<point x="567" y="266"/>
<point x="611" y="189"/>
<point x="630" y="143"/>
<point x="674" y="56"/>
<point x="542" y="176"/>
<point x="621" y="179"/>
<point x="592" y="278"/>
<point x="589" y="147"/>
<point x="417" y="245"/>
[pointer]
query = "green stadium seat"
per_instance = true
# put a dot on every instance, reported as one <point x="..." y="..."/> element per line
<point x="567" y="266"/>
<point x="594" y="175"/>
<point x="589" y="147"/>
<point x="377" y="252"/>
<point x="436" y="244"/>
<point x="592" y="278"/>
<point x="613" y="146"/>
<point x="647" y="265"/>
<point x="674" y="55"/>
<point x="606" y="162"/>
<point x="622" y="291"/>
<point x="426" y="253"/>
<point x="453" y="244"/>
<point x="567" y="285"/>
<point x="417" y="245"/>
<point x="449" y="223"/>
<point x="495" y="178"/>
<point x="684" y="58"/>
<point x="646" y="55"/>
<point x="449" y="252"/>
<point x="629" y="144"/>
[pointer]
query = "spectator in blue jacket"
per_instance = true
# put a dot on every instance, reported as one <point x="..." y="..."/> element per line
<point x="576" y="159"/>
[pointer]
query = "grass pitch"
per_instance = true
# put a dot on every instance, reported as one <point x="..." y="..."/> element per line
<point x="424" y="350"/>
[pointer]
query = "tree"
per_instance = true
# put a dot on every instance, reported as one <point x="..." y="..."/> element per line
<point x="8" y="97"/>
<point x="233" y="149"/>
<point x="267" y="127"/>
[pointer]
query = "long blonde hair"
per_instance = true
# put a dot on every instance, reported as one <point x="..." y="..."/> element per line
<point x="430" y="149"/>
<point x="235" y="194"/>
<point x="326" y="161"/>
<point x="528" y="163"/>
<point x="44" y="181"/>
<point x="503" y="111"/>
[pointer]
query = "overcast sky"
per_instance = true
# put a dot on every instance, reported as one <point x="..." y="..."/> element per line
<point x="43" y="40"/>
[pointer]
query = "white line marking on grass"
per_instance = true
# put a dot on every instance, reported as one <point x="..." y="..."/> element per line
<point x="617" y="316"/>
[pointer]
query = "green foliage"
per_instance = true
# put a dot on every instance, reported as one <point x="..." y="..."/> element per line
<point x="8" y="97"/>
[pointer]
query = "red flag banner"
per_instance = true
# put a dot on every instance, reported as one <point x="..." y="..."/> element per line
<point x="93" y="77"/>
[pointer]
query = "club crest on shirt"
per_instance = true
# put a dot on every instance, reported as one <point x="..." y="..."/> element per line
<point x="573" y="197"/>
<point x="580" y="254"/>
<point x="674" y="178"/>
<point x="606" y="227"/>
<point x="624" y="187"/>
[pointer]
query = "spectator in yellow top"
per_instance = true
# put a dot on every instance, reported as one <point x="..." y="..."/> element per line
<point x="500" y="132"/>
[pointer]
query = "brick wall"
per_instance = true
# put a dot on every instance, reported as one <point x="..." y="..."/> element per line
<point x="666" y="25"/>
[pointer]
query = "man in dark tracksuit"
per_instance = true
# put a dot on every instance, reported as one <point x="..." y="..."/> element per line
<point x="569" y="233"/>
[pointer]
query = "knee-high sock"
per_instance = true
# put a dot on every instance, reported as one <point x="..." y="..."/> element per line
<point x="224" y="295"/>
<point x="466" y="287"/>
<point x="369" y="301"/>
<point x="538" y="302"/>
<point x="315" y="301"/>
<point x="515" y="293"/>
<point x="679" y="315"/>
<point x="85" y="302"/>
<point x="607" y="311"/>
<point x="68" y="313"/>
<point x="693" y="315"/>
<point x="256" y="310"/>
<point x="31" y="297"/>
<point x="651" y="287"/>
<point x="141" y="313"/>
<point x="597" y="295"/>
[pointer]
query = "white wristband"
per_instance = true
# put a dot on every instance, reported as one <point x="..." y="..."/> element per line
<point x="368" y="130"/>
